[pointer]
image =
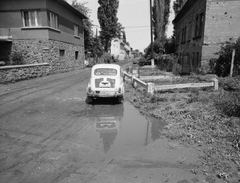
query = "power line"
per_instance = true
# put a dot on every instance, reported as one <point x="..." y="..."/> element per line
<point x="136" y="26"/>
<point x="134" y="1"/>
<point x="137" y="30"/>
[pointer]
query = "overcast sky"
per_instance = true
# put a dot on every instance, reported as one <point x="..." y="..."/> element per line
<point x="134" y="16"/>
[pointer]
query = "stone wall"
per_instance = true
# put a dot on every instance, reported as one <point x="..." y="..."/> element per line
<point x="60" y="56"/>
<point x="10" y="74"/>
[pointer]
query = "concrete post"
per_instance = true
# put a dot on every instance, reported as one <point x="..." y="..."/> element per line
<point x="134" y="84"/>
<point x="152" y="63"/>
<point x="150" y="88"/>
<point x="215" y="83"/>
<point x="132" y="79"/>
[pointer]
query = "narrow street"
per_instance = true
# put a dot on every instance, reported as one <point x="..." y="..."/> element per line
<point x="49" y="134"/>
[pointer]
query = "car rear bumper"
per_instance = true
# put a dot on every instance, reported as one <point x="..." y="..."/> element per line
<point x="99" y="93"/>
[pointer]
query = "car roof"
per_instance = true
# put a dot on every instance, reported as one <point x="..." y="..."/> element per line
<point x="106" y="66"/>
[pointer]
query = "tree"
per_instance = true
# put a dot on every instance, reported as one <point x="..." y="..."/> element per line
<point x="107" y="17"/>
<point x="87" y="24"/>
<point x="222" y="65"/>
<point x="91" y="43"/>
<point x="124" y="37"/>
<point x="161" y="10"/>
<point x="169" y="45"/>
<point x="177" y="5"/>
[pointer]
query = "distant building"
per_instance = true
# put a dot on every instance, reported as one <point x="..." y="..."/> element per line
<point x="202" y="27"/>
<point x="120" y="50"/>
<point x="42" y="31"/>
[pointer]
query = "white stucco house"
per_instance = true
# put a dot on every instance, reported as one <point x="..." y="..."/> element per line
<point x="120" y="50"/>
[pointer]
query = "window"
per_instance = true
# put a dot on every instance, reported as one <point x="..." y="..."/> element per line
<point x="189" y="34"/>
<point x="53" y="20"/>
<point x="105" y="71"/>
<point x="201" y="24"/>
<point x="61" y="53"/>
<point x="199" y="21"/>
<point x="196" y="26"/>
<point x="197" y="58"/>
<point x="184" y="32"/>
<point x="76" y="30"/>
<point x="76" y="55"/>
<point x="31" y="18"/>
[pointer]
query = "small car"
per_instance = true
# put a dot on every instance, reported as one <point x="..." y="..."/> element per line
<point x="106" y="81"/>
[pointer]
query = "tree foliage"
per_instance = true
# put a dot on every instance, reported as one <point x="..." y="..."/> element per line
<point x="177" y="5"/>
<point x="91" y="43"/>
<point x="107" y="17"/>
<point x="87" y="23"/>
<point x="222" y="65"/>
<point x="161" y="10"/>
<point x="124" y="37"/>
<point x="169" y="45"/>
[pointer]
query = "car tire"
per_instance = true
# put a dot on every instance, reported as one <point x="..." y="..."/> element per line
<point x="89" y="100"/>
<point x="120" y="100"/>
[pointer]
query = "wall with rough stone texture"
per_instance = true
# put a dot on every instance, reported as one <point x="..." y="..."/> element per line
<point x="42" y="51"/>
<point x="39" y="51"/>
<point x="10" y="74"/>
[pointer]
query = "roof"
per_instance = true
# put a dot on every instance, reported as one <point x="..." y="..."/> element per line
<point x="68" y="6"/>
<point x="186" y="6"/>
<point x="106" y="66"/>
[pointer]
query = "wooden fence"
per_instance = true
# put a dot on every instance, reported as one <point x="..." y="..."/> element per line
<point x="151" y="87"/>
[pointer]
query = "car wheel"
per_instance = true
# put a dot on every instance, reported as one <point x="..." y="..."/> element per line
<point x="89" y="100"/>
<point x="120" y="100"/>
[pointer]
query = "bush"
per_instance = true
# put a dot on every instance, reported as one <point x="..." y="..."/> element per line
<point x="16" y="58"/>
<point x="143" y="61"/>
<point x="106" y="57"/>
<point x="230" y="83"/>
<point x="165" y="62"/>
<point x="223" y="63"/>
<point x="229" y="104"/>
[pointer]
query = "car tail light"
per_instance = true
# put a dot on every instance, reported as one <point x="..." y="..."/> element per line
<point x="119" y="90"/>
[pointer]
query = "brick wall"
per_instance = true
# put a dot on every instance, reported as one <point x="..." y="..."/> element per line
<point x="222" y="24"/>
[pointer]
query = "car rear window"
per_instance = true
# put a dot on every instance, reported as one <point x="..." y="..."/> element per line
<point x="105" y="72"/>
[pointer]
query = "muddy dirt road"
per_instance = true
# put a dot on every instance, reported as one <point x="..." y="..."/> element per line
<point x="49" y="134"/>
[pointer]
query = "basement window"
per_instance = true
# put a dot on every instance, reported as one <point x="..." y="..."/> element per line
<point x="61" y="53"/>
<point x="76" y="55"/>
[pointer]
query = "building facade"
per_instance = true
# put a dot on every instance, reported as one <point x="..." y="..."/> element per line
<point x="202" y="27"/>
<point x="42" y="31"/>
<point x="120" y="50"/>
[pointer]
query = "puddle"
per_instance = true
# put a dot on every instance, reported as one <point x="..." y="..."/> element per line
<point x="119" y="129"/>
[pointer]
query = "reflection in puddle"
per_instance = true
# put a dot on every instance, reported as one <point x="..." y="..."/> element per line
<point x="119" y="129"/>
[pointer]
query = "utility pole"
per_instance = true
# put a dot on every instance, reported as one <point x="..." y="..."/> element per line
<point x="96" y="45"/>
<point x="151" y="32"/>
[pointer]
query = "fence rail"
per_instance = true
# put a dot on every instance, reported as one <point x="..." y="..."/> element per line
<point x="151" y="87"/>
